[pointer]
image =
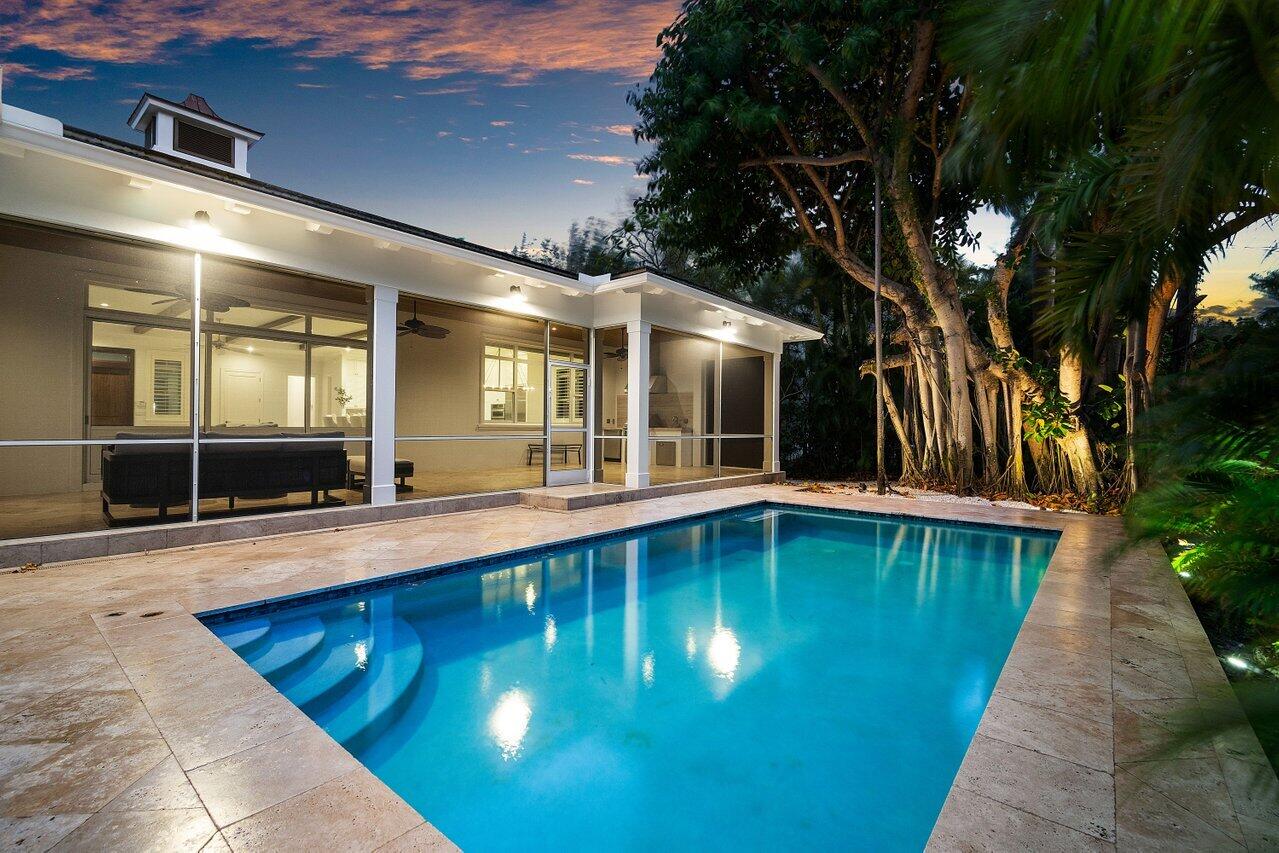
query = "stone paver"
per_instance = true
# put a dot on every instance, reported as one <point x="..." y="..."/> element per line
<point x="124" y="724"/>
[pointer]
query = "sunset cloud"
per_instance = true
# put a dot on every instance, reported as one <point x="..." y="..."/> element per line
<point x="617" y="129"/>
<point x="62" y="72"/>
<point x="606" y="159"/>
<point x="447" y="90"/>
<point x="423" y="39"/>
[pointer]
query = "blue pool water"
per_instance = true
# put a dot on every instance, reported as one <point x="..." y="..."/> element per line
<point x="767" y="677"/>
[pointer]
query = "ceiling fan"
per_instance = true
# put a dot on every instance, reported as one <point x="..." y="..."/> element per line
<point x="218" y="303"/>
<point x="415" y="326"/>
<point x="619" y="353"/>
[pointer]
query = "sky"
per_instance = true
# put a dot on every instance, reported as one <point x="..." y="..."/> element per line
<point x="480" y="119"/>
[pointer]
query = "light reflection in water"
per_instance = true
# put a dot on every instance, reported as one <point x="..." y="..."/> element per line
<point x="550" y="633"/>
<point x="724" y="652"/>
<point x="361" y="655"/>
<point x="690" y="645"/>
<point x="530" y="596"/>
<point x="508" y="723"/>
<point x="647" y="669"/>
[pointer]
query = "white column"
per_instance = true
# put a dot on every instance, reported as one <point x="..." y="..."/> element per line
<point x="775" y="416"/>
<point x="637" y="343"/>
<point x="381" y="468"/>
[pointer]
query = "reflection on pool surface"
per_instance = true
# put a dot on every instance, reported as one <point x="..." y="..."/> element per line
<point x="766" y="677"/>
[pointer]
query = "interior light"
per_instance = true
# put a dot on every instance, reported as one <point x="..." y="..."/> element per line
<point x="104" y="305"/>
<point x="516" y="293"/>
<point x="249" y="347"/>
<point x="347" y="349"/>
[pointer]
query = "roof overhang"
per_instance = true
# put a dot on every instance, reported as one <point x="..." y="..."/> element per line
<point x="25" y="135"/>
<point x="654" y="282"/>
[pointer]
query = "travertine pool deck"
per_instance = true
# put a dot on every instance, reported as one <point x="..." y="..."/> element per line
<point x="124" y="724"/>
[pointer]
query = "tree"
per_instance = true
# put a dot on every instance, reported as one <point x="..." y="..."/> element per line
<point x="1149" y="135"/>
<point x="770" y="122"/>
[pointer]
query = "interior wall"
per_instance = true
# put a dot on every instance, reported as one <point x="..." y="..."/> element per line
<point x="439" y="390"/>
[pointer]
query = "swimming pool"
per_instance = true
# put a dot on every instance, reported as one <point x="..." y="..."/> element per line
<point x="770" y="676"/>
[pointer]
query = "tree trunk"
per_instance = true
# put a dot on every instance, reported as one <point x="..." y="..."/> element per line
<point x="1076" y="445"/>
<point x="1183" y="324"/>
<point x="1156" y="317"/>
<point x="1135" y="399"/>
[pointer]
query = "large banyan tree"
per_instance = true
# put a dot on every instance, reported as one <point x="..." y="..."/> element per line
<point x="1130" y="141"/>
<point x="771" y="122"/>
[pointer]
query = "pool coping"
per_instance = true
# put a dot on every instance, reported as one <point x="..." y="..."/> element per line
<point x="1066" y="756"/>
<point x="264" y="606"/>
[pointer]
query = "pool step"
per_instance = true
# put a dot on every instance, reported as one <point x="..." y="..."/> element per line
<point x="377" y="699"/>
<point x="315" y="688"/>
<point x="244" y="638"/>
<point x="292" y="645"/>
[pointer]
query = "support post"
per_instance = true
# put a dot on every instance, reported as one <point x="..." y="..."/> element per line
<point x="881" y="479"/>
<point x="775" y="416"/>
<point x="380" y="479"/>
<point x="637" y="370"/>
<point x="198" y="380"/>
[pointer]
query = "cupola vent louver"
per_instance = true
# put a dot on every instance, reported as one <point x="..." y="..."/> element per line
<point x="191" y="130"/>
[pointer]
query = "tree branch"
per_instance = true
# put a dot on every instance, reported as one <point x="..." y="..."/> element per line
<point x="802" y="160"/>
<point x="845" y="104"/>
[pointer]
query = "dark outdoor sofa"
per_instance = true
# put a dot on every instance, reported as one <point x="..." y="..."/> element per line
<point x="143" y="475"/>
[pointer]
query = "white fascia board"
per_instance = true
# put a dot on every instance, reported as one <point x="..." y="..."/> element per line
<point x="16" y="116"/>
<point x="130" y="166"/>
<point x="790" y="331"/>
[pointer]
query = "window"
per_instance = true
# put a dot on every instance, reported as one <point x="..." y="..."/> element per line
<point x="510" y="383"/>
<point x="166" y="387"/>
<point x="570" y="395"/>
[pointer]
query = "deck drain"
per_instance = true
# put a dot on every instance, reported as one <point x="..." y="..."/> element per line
<point x="116" y="613"/>
<point x="152" y="613"/>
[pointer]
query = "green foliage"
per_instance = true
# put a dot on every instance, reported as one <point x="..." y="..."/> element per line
<point x="1144" y="131"/>
<point x="1211" y="453"/>
<point x="593" y="248"/>
<point x="731" y="76"/>
<point x="828" y="427"/>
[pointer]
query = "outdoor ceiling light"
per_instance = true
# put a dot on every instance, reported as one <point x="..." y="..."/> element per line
<point x="516" y="293"/>
<point x="202" y="223"/>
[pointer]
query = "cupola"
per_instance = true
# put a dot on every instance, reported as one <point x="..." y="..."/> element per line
<point x="192" y="131"/>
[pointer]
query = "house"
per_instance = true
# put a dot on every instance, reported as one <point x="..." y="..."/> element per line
<point x="184" y="344"/>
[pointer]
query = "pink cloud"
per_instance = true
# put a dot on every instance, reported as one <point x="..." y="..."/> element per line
<point x="64" y="72"/>
<point x="606" y="159"/>
<point x="617" y="129"/>
<point x="426" y="39"/>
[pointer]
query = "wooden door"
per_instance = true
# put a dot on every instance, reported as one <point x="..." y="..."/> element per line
<point x="111" y="387"/>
